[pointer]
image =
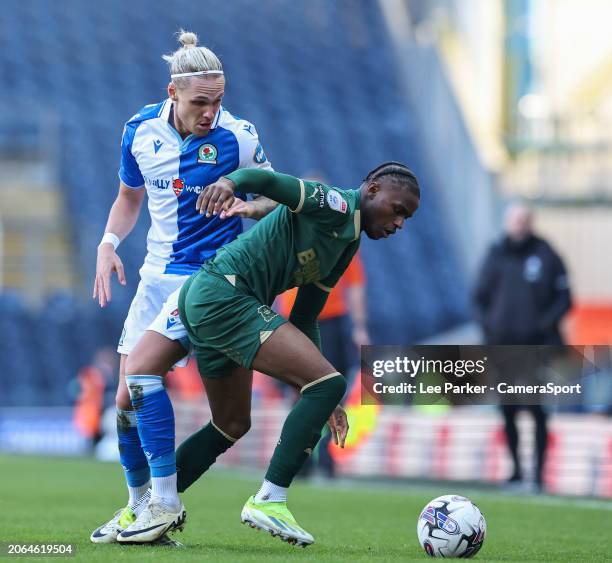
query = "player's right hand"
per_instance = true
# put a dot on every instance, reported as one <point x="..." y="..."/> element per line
<point x="108" y="262"/>
<point x="216" y="197"/>
<point x="339" y="426"/>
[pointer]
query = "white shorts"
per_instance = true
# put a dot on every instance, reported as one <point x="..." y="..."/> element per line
<point x="155" y="307"/>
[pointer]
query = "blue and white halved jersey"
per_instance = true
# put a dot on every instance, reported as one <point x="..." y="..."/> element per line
<point x="174" y="171"/>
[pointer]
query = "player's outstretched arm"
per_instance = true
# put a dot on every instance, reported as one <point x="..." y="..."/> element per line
<point x="279" y="187"/>
<point x="121" y="220"/>
<point x="256" y="209"/>
<point x="282" y="188"/>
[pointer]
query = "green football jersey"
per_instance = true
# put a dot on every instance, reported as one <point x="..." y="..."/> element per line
<point x="310" y="239"/>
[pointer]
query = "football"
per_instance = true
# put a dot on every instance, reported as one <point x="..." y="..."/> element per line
<point x="451" y="526"/>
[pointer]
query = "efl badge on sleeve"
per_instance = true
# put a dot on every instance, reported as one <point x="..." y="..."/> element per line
<point x="336" y="201"/>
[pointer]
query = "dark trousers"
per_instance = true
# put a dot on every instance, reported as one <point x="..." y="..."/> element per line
<point x="541" y="436"/>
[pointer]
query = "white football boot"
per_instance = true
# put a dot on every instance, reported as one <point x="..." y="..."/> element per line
<point x="152" y="523"/>
<point x="107" y="533"/>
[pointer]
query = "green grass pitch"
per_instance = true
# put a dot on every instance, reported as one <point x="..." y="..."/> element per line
<point x="62" y="500"/>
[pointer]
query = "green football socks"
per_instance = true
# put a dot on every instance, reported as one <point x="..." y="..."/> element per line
<point x="302" y="429"/>
<point x="197" y="453"/>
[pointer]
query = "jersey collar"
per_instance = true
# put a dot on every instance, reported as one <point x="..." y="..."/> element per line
<point x="215" y="122"/>
<point x="164" y="112"/>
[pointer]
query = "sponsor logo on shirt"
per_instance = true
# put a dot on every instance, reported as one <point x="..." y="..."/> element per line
<point x="158" y="183"/>
<point x="207" y="154"/>
<point x="318" y="192"/>
<point x="310" y="268"/>
<point x="336" y="201"/>
<point x="157" y="144"/>
<point x="177" y="186"/>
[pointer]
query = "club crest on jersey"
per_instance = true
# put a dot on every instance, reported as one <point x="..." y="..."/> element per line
<point x="177" y="186"/>
<point x="207" y="154"/>
<point x="336" y="201"/>
<point x="259" y="156"/>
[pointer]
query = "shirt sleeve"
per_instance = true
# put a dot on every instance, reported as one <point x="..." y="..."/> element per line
<point x="129" y="172"/>
<point x="325" y="205"/>
<point x="282" y="188"/>
<point x="252" y="154"/>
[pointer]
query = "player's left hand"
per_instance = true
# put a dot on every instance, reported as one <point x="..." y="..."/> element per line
<point x="216" y="197"/>
<point x="241" y="208"/>
<point x="338" y="424"/>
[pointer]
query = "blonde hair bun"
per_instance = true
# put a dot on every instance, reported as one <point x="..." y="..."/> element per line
<point x="190" y="58"/>
<point x="187" y="39"/>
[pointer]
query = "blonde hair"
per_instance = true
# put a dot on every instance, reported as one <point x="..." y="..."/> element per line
<point x="190" y="58"/>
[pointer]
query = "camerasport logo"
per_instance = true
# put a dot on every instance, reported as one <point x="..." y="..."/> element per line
<point x="177" y="186"/>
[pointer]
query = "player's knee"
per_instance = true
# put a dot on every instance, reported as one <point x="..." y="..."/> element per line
<point x="134" y="366"/>
<point x="332" y="387"/>
<point x="239" y="427"/>
<point x="122" y="398"/>
<point x="236" y="427"/>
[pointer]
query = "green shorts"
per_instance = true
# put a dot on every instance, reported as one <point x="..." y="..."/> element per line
<point x="225" y="323"/>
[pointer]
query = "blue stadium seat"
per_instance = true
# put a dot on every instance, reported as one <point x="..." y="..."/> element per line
<point x="317" y="78"/>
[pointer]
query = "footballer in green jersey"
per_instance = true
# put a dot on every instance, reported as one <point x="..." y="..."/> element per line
<point x="307" y="242"/>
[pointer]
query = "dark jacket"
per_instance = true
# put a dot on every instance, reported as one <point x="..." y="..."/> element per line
<point x="522" y="293"/>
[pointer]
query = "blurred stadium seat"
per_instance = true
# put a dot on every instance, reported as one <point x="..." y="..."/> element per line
<point x="329" y="101"/>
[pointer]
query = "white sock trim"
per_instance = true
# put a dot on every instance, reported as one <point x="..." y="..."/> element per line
<point x="164" y="488"/>
<point x="142" y="502"/>
<point x="136" y="494"/>
<point x="321" y="379"/>
<point x="269" y="492"/>
<point x="226" y="436"/>
<point x="146" y="384"/>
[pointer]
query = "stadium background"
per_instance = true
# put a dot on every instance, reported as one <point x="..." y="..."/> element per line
<point x="484" y="99"/>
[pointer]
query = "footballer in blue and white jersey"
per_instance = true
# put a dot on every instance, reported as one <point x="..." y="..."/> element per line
<point x="174" y="171"/>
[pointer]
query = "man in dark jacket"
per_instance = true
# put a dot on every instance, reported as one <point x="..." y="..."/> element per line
<point x="521" y="296"/>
